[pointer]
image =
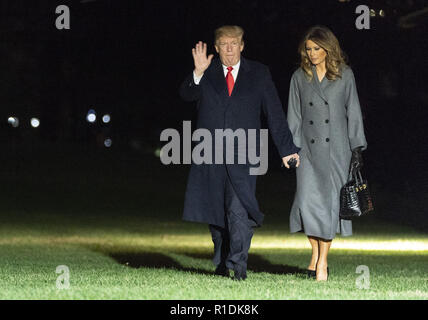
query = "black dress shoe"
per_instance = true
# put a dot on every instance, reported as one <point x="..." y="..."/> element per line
<point x="221" y="270"/>
<point x="239" y="273"/>
<point x="311" y="273"/>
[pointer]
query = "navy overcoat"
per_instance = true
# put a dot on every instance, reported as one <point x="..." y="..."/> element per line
<point x="254" y="93"/>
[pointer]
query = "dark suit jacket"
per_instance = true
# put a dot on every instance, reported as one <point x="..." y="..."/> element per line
<point x="253" y="93"/>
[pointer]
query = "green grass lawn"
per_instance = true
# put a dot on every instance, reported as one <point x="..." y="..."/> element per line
<point x="119" y="232"/>
<point x="133" y="258"/>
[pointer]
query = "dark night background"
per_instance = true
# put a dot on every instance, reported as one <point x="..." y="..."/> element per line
<point x="128" y="58"/>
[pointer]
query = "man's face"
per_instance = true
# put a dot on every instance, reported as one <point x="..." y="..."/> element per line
<point x="229" y="49"/>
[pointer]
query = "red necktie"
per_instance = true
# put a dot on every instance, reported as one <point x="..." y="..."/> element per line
<point x="229" y="80"/>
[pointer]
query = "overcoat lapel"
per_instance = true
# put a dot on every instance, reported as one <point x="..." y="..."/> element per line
<point x="242" y="80"/>
<point x="316" y="84"/>
<point x="218" y="80"/>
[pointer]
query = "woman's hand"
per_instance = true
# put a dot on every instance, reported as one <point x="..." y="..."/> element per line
<point x="357" y="158"/>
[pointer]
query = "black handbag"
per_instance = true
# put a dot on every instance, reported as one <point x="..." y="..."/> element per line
<point x="355" y="197"/>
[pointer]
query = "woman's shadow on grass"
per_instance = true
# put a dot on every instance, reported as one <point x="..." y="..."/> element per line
<point x="256" y="263"/>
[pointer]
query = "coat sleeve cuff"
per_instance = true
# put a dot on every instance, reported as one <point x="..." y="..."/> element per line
<point x="356" y="142"/>
<point x="290" y="150"/>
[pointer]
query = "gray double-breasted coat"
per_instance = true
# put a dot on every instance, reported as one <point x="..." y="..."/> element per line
<point x="326" y="122"/>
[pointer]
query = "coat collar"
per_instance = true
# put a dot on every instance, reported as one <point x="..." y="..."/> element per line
<point x="219" y="82"/>
<point x="316" y="85"/>
<point x="242" y="78"/>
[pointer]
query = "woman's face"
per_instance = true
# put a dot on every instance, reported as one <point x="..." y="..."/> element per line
<point x="315" y="53"/>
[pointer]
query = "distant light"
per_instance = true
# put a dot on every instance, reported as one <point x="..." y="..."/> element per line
<point x="158" y="152"/>
<point x="13" y="121"/>
<point x="108" y="143"/>
<point x="91" y="116"/>
<point x="106" y="118"/>
<point x="382" y="13"/>
<point x="35" y="123"/>
<point x="372" y="13"/>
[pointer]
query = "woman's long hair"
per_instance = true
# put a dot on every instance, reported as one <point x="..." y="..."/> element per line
<point x="335" y="58"/>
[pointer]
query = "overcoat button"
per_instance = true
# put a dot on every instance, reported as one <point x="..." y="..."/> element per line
<point x="311" y="122"/>
<point x="327" y="139"/>
<point x="327" y="121"/>
<point x="312" y="140"/>
<point x="326" y="103"/>
<point x="311" y="104"/>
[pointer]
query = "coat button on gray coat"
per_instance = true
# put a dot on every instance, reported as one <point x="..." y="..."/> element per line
<point x="323" y="166"/>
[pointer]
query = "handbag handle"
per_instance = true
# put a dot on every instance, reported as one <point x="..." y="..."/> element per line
<point x="351" y="172"/>
<point x="355" y="173"/>
<point x="359" y="183"/>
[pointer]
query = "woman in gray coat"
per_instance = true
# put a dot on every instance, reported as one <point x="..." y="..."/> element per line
<point x="325" y="118"/>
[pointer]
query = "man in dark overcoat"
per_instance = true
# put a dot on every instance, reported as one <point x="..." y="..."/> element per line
<point x="231" y="93"/>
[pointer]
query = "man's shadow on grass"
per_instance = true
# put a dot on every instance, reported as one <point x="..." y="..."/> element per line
<point x="256" y="263"/>
<point x="153" y="260"/>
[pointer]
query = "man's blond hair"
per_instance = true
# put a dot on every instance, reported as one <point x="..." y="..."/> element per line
<point x="229" y="31"/>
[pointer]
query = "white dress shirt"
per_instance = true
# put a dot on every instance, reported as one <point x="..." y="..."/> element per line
<point x="234" y="73"/>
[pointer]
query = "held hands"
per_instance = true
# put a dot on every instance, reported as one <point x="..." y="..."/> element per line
<point x="295" y="157"/>
<point x="202" y="62"/>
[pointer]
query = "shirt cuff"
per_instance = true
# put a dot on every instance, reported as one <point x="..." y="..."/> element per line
<point x="196" y="79"/>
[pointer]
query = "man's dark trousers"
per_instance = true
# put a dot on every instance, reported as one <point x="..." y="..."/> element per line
<point x="232" y="243"/>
